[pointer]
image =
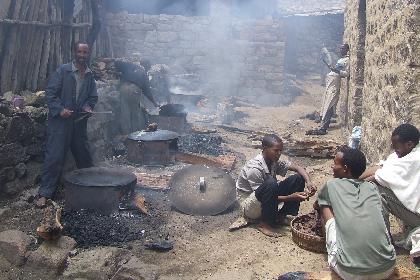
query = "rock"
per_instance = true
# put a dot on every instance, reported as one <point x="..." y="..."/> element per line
<point x="35" y="149"/>
<point x="8" y="96"/>
<point x="15" y="187"/>
<point x="51" y="256"/>
<point x="4" y="211"/>
<point x="39" y="114"/>
<point x="12" y="154"/>
<point x="7" y="174"/>
<point x="99" y="263"/>
<point x="14" y="245"/>
<point x="29" y="195"/>
<point x="34" y="99"/>
<point x="20" y="170"/>
<point x="20" y="129"/>
<point x="136" y="269"/>
<point x="40" y="131"/>
<point x="5" y="110"/>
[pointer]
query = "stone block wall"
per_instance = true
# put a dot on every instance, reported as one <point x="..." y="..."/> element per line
<point x="229" y="55"/>
<point x="391" y="91"/>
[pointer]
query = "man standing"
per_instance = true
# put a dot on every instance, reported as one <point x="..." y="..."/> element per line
<point x="258" y="179"/>
<point x="71" y="95"/>
<point x="332" y="91"/>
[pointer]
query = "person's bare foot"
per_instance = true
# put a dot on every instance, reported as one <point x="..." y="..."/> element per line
<point x="41" y="202"/>
<point x="267" y="230"/>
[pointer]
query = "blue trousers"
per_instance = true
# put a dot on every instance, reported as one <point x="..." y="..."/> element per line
<point x="268" y="192"/>
<point x="62" y="135"/>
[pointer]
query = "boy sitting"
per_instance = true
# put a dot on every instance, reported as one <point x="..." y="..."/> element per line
<point x="398" y="181"/>
<point x="258" y="178"/>
<point x="357" y="239"/>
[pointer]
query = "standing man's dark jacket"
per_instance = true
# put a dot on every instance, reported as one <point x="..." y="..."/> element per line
<point x="61" y="91"/>
<point x="65" y="133"/>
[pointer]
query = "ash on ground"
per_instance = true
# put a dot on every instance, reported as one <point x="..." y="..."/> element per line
<point x="207" y="144"/>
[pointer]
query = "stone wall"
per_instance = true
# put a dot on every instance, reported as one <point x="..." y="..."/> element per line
<point x="22" y="137"/>
<point x="229" y="55"/>
<point x="306" y="35"/>
<point x="391" y="91"/>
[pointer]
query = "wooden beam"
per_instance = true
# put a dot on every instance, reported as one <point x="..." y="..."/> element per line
<point x="43" y="24"/>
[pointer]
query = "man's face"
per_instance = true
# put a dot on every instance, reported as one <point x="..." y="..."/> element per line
<point x="82" y="53"/>
<point x="273" y="153"/>
<point x="339" y="169"/>
<point x="401" y="148"/>
<point x="343" y="50"/>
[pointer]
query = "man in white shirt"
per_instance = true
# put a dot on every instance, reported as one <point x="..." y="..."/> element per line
<point x="258" y="178"/>
<point x="398" y="181"/>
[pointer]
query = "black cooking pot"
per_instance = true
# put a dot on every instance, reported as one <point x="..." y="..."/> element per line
<point x="172" y="110"/>
<point x="97" y="188"/>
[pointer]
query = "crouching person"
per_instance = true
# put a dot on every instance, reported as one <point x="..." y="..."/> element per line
<point x="398" y="180"/>
<point x="358" y="243"/>
<point x="258" y="179"/>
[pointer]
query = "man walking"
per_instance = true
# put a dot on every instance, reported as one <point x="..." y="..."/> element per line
<point x="71" y="95"/>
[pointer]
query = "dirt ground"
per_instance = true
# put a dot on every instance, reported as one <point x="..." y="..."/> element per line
<point x="204" y="248"/>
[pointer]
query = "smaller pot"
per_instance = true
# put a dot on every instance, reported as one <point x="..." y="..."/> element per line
<point x="151" y="148"/>
<point x="172" y="110"/>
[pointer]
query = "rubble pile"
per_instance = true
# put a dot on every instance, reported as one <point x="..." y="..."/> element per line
<point x="22" y="138"/>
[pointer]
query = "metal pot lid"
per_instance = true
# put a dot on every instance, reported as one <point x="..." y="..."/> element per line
<point x="100" y="177"/>
<point x="158" y="135"/>
<point x="202" y="190"/>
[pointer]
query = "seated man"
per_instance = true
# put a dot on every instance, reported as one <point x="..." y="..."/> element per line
<point x="357" y="239"/>
<point x="258" y="178"/>
<point x="399" y="182"/>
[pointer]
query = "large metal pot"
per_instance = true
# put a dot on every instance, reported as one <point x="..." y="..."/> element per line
<point x="202" y="190"/>
<point x="98" y="188"/>
<point x="151" y="147"/>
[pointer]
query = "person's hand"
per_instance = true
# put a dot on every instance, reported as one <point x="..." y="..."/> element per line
<point x="298" y="196"/>
<point x="65" y="113"/>
<point x="87" y="109"/>
<point x="311" y="189"/>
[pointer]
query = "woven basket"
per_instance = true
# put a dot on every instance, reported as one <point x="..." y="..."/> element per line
<point x="306" y="241"/>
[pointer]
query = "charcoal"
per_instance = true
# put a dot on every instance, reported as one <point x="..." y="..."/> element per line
<point x="201" y="144"/>
<point x="91" y="229"/>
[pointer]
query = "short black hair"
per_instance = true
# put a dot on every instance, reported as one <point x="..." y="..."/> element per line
<point x="270" y="140"/>
<point x="354" y="159"/>
<point x="407" y="132"/>
<point x="76" y="44"/>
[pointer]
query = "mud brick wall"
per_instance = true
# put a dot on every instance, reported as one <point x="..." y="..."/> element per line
<point x="229" y="55"/>
<point x="391" y="91"/>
